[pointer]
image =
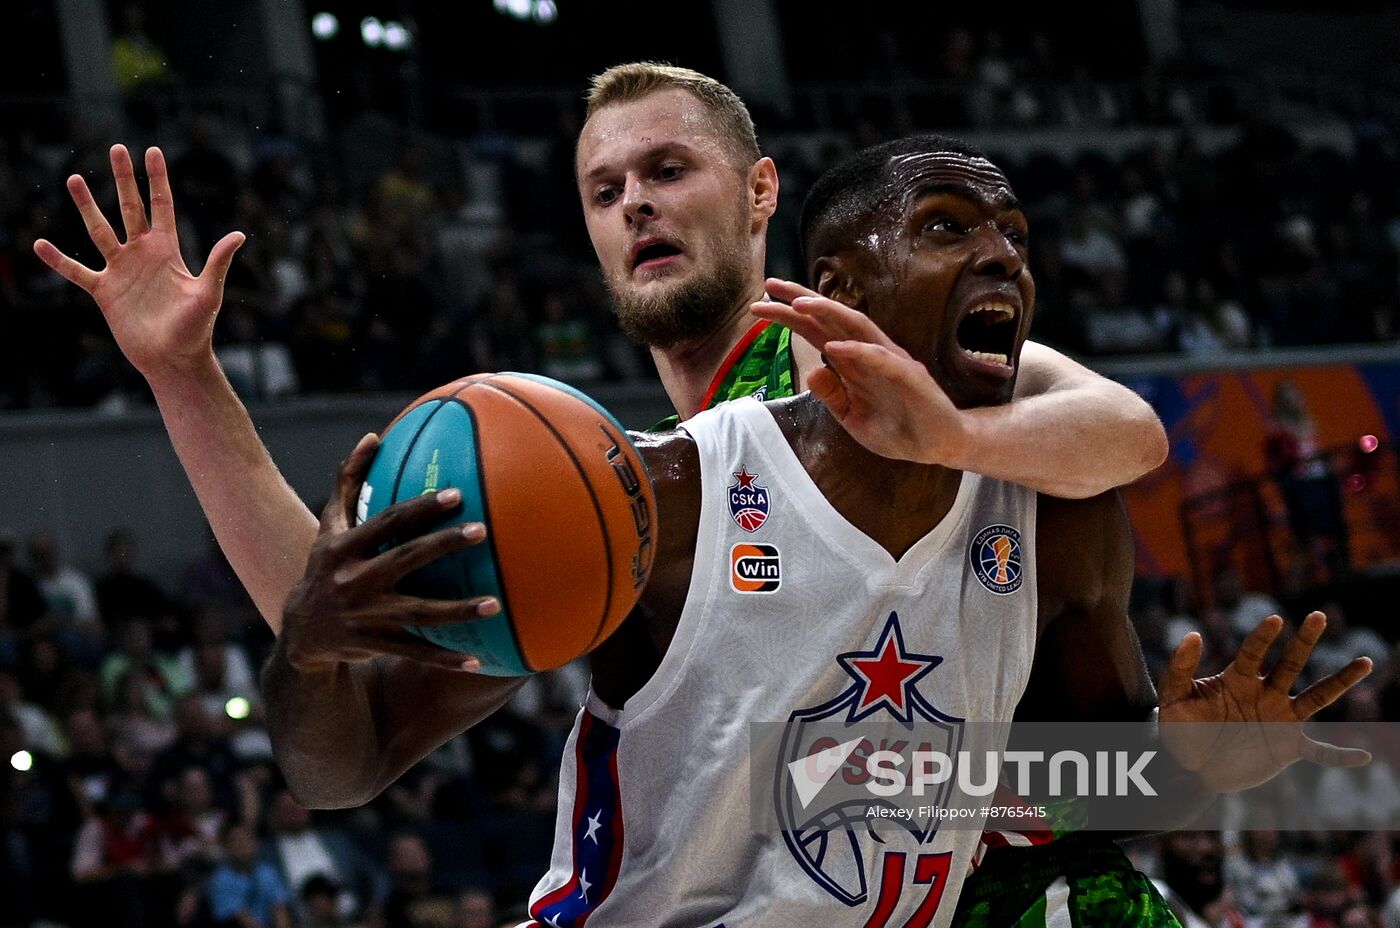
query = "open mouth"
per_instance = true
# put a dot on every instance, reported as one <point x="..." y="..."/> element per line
<point x="656" y="251"/>
<point x="988" y="333"/>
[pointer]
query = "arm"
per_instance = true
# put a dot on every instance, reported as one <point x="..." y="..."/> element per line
<point x="163" y="319"/>
<point x="353" y="698"/>
<point x="1069" y="432"/>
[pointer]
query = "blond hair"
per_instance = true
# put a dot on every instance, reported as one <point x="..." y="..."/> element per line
<point x="626" y="83"/>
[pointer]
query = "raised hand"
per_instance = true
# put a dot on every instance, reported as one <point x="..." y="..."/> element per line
<point x="885" y="399"/>
<point x="345" y="609"/>
<point x="1247" y="725"/>
<point x="161" y="315"/>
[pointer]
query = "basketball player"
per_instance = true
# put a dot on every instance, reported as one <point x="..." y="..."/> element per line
<point x="922" y="236"/>
<point x="677" y="202"/>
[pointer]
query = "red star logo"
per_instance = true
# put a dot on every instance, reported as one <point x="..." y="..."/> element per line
<point x="745" y="478"/>
<point x="887" y="673"/>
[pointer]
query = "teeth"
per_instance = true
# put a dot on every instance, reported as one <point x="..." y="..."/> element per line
<point x="999" y="309"/>
<point x="994" y="357"/>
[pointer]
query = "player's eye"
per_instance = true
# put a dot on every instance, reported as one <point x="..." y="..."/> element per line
<point x="1015" y="236"/>
<point x="670" y="171"/>
<point x="945" y="224"/>
<point x="605" y="195"/>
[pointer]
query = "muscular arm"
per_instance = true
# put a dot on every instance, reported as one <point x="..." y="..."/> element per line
<point x="264" y="528"/>
<point x="162" y="317"/>
<point x="1069" y="432"/>
<point x="354" y="700"/>
<point x="1088" y="662"/>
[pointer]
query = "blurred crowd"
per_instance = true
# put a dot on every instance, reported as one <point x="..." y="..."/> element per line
<point x="137" y="786"/>
<point x="422" y="272"/>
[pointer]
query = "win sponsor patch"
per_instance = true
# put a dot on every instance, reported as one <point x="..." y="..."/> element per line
<point x="755" y="568"/>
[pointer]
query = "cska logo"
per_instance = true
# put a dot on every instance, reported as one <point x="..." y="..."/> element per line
<point x="748" y="501"/>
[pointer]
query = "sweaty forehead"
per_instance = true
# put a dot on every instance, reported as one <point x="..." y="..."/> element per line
<point x="619" y="131"/>
<point x="914" y="174"/>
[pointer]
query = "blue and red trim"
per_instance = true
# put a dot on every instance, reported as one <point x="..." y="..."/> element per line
<point x="597" y="830"/>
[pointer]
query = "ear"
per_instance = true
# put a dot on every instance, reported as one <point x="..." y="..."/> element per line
<point x="832" y="279"/>
<point x="763" y="190"/>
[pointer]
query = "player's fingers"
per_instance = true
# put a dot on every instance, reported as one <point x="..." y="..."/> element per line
<point x="338" y="515"/>
<point x="801" y="323"/>
<point x="403" y="520"/>
<point x="785" y="291"/>
<point x="162" y="202"/>
<point x="413" y="553"/>
<point x="1330" y="688"/>
<point x="71" y="270"/>
<point x="128" y="194"/>
<point x="1331" y="755"/>
<point x="840" y="321"/>
<point x="437" y="612"/>
<point x="1296" y="653"/>
<point x="1250" y="656"/>
<point x="1180" y="673"/>
<point x="872" y="366"/>
<point x="827" y="387"/>
<point x="99" y="230"/>
<point x="221" y="257"/>
<point x="403" y="643"/>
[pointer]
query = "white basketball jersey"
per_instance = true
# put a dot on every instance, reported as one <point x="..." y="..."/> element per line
<point x="792" y="612"/>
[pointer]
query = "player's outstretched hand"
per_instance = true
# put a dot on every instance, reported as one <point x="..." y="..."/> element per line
<point x="345" y="608"/>
<point x="1241" y="727"/>
<point x="885" y="399"/>
<point x="161" y="315"/>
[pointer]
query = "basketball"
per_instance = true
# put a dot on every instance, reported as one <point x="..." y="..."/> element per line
<point x="566" y="501"/>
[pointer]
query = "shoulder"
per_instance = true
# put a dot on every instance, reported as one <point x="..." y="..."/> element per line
<point x="673" y="463"/>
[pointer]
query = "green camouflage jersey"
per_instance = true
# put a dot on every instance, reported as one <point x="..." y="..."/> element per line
<point x="760" y="365"/>
<point x="1082" y="880"/>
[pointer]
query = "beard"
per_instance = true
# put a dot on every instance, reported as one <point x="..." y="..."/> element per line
<point x="689" y="310"/>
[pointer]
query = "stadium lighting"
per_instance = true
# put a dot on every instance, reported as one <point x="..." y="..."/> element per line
<point x="325" y="26"/>
<point x="396" y="36"/>
<point x="237" y="708"/>
<point x="22" y="761"/>
<point x="372" y="31"/>
<point x="543" y="12"/>
<point x="1369" y="443"/>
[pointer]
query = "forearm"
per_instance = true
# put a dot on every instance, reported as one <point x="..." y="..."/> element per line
<point x="262" y="525"/>
<point x="1072" y="443"/>
<point x="322" y="726"/>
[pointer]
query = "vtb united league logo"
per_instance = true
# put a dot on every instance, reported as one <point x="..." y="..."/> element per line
<point x="995" y="553"/>
<point x="832" y="839"/>
<point x="748" y="501"/>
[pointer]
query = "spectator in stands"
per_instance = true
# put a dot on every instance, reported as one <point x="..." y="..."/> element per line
<point x="413" y="900"/>
<point x="566" y="347"/>
<point x="198" y="744"/>
<point x="1305" y="478"/>
<point x="41" y="732"/>
<point x="68" y="593"/>
<point x="1263" y="880"/>
<point x="1326" y="895"/>
<point x="122" y="591"/>
<point x="21" y="603"/>
<point x="205" y="184"/>
<point x="245" y="892"/>
<point x="475" y="909"/>
<point x="136" y="655"/>
<point x="318" y="905"/>
<point x="300" y="849"/>
<point x="138" y="62"/>
<point x="112" y="861"/>
<point x="92" y="770"/>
